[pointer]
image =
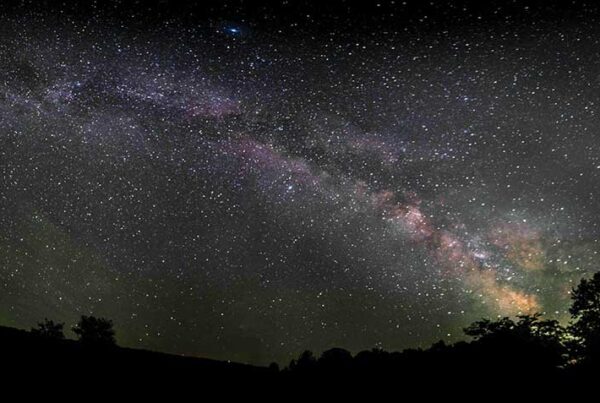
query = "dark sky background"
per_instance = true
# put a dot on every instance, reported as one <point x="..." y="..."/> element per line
<point x="243" y="181"/>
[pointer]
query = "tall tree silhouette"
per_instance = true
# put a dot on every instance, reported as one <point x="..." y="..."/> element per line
<point x="585" y="326"/>
<point x="95" y="331"/>
<point x="49" y="329"/>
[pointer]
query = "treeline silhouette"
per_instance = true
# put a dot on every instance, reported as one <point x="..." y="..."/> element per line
<point x="512" y="352"/>
<point x="526" y="350"/>
<point x="527" y="345"/>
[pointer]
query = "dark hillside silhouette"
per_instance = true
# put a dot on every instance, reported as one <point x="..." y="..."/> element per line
<point x="526" y="348"/>
<point x="35" y="357"/>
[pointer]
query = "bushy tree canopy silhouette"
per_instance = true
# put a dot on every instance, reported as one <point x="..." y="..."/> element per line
<point x="96" y="331"/>
<point x="585" y="326"/>
<point x="306" y="362"/>
<point x="336" y="359"/>
<point x="528" y="327"/>
<point x="529" y="340"/>
<point x="50" y="329"/>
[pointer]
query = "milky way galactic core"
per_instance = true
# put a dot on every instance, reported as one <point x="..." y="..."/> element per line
<point x="244" y="183"/>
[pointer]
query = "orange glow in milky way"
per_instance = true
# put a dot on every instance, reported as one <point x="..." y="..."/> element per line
<point x="453" y="255"/>
<point x="507" y="300"/>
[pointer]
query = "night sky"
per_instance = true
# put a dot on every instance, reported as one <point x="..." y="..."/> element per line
<point x="245" y="182"/>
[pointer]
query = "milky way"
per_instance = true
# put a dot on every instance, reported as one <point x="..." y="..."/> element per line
<point x="240" y="190"/>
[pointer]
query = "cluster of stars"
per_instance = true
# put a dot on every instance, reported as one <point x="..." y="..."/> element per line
<point x="248" y="188"/>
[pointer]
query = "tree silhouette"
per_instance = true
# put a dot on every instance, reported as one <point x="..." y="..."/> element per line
<point x="528" y="326"/>
<point x="335" y="360"/>
<point x="585" y="326"/>
<point x="49" y="329"/>
<point x="96" y="331"/>
<point x="528" y="341"/>
<point x="526" y="347"/>
<point x="305" y="363"/>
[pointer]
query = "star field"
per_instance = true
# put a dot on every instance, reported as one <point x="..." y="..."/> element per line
<point x="246" y="188"/>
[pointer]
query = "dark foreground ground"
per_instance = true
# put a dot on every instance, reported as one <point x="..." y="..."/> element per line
<point x="27" y="357"/>
<point x="51" y="365"/>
